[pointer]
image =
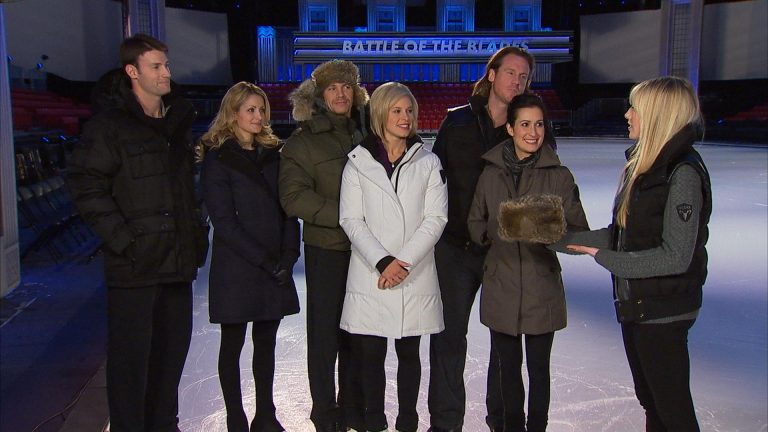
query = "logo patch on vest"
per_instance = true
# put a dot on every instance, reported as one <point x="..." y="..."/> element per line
<point x="685" y="211"/>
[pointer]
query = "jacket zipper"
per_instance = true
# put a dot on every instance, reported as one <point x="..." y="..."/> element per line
<point x="400" y="166"/>
<point x="619" y="248"/>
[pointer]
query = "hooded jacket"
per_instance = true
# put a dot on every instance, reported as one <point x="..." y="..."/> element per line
<point x="522" y="290"/>
<point x="402" y="216"/>
<point x="313" y="159"/>
<point x="467" y="133"/>
<point x="132" y="180"/>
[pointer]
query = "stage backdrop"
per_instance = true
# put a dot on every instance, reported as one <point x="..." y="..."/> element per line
<point x="624" y="47"/>
<point x="81" y="38"/>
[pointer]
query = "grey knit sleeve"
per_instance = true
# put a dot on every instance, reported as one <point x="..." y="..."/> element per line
<point x="681" y="226"/>
<point x="597" y="238"/>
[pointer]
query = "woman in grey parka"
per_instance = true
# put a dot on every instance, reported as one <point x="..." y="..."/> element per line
<point x="526" y="188"/>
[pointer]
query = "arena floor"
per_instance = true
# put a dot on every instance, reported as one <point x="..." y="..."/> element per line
<point x="591" y="383"/>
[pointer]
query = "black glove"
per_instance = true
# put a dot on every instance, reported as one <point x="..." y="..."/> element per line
<point x="282" y="275"/>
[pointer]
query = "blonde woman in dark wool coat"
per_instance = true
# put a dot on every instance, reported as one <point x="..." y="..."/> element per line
<point x="254" y="248"/>
<point x="524" y="200"/>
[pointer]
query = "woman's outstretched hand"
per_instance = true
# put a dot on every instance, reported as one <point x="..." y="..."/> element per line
<point x="583" y="249"/>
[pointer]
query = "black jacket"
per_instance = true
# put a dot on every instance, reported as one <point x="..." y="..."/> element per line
<point x="466" y="133"/>
<point x="132" y="179"/>
<point x="251" y="236"/>
<point x="663" y="296"/>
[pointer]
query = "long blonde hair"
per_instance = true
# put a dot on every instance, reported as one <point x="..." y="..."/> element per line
<point x="664" y="105"/>
<point x="224" y="124"/>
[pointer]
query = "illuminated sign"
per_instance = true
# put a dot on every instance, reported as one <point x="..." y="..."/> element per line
<point x="546" y="47"/>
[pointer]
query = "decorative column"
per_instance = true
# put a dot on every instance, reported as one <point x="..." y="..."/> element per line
<point x="454" y="15"/>
<point x="10" y="272"/>
<point x="318" y="15"/>
<point x="267" y="53"/>
<point x="525" y="15"/>
<point x="681" y="24"/>
<point x="522" y="15"/>
<point x="144" y="16"/>
<point x="386" y="15"/>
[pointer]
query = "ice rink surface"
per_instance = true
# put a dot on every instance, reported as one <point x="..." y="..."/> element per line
<point x="591" y="383"/>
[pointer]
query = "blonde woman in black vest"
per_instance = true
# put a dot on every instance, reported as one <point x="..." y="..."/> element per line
<point x="655" y="247"/>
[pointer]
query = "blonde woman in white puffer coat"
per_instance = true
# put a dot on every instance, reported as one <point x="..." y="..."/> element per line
<point x="393" y="207"/>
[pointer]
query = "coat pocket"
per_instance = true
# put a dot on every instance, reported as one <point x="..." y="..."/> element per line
<point x="145" y="160"/>
<point x="153" y="249"/>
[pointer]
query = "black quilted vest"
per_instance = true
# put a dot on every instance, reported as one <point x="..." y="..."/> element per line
<point x="663" y="296"/>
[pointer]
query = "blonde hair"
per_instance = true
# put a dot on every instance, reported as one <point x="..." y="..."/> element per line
<point x="664" y="105"/>
<point x="382" y="100"/>
<point x="483" y="85"/>
<point x="224" y="124"/>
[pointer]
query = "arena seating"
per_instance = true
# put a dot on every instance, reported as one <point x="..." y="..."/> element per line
<point x="47" y="218"/>
<point x="434" y="101"/>
<point x="756" y="113"/>
<point x="33" y="109"/>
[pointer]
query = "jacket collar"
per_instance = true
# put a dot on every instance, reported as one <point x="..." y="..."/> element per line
<point x="372" y="141"/>
<point x="371" y="169"/>
<point x="674" y="149"/>
<point x="547" y="156"/>
<point x="267" y="154"/>
<point x="477" y="103"/>
<point x="179" y="111"/>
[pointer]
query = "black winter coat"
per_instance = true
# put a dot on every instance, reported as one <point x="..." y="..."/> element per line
<point x="466" y="133"/>
<point x="132" y="179"/>
<point x="251" y="236"/>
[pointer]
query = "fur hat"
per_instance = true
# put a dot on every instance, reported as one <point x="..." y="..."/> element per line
<point x="532" y="218"/>
<point x="335" y="71"/>
<point x="309" y="94"/>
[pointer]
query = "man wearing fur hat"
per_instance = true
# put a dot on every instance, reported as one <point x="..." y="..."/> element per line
<point x="330" y="110"/>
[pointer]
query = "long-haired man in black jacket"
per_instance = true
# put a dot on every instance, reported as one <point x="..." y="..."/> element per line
<point x="466" y="133"/>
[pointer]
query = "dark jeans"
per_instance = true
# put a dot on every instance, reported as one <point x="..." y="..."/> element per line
<point x="370" y="352"/>
<point x="326" y="272"/>
<point x="149" y="333"/>
<point x="460" y="274"/>
<point x="264" y="335"/>
<point x="510" y="352"/>
<point x="658" y="359"/>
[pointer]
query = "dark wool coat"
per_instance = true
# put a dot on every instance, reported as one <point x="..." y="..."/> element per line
<point x="251" y="235"/>
<point x="522" y="289"/>
<point x="132" y="179"/>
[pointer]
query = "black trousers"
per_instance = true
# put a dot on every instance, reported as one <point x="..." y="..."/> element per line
<point x="658" y="359"/>
<point x="264" y="335"/>
<point x="326" y="272"/>
<point x="370" y="353"/>
<point x="537" y="352"/>
<point x="460" y="274"/>
<point x="149" y="331"/>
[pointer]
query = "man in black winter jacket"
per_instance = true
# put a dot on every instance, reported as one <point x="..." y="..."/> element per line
<point x="465" y="135"/>
<point x="132" y="180"/>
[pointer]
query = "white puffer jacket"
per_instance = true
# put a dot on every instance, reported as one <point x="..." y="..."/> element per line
<point x="403" y="217"/>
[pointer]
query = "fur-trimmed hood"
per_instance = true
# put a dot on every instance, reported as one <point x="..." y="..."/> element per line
<point x="307" y="100"/>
